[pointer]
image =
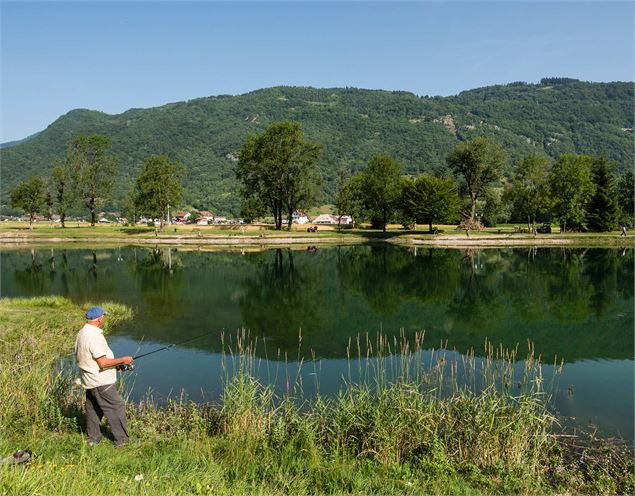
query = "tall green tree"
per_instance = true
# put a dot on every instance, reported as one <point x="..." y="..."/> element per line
<point x="571" y="188"/>
<point x="159" y="186"/>
<point x="48" y="205"/>
<point x="381" y="189"/>
<point x="130" y="206"/>
<point x="350" y="199"/>
<point x="529" y="193"/>
<point x="62" y="181"/>
<point x="603" y="209"/>
<point x="93" y="170"/>
<point x="342" y="199"/>
<point x="626" y="198"/>
<point x="31" y="196"/>
<point x="430" y="199"/>
<point x="493" y="206"/>
<point x="252" y="208"/>
<point x="478" y="164"/>
<point x="279" y="168"/>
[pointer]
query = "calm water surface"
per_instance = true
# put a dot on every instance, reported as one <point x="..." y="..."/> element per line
<point x="573" y="304"/>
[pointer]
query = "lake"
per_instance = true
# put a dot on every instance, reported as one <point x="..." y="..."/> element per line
<point x="306" y="307"/>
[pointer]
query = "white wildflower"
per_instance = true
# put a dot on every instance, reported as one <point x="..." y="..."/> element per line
<point x="138" y="477"/>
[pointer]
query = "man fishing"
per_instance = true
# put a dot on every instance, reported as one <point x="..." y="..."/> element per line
<point x="98" y="365"/>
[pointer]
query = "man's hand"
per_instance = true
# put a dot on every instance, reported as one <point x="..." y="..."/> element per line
<point x="107" y="363"/>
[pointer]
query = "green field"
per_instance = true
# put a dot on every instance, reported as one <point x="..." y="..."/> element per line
<point x="13" y="231"/>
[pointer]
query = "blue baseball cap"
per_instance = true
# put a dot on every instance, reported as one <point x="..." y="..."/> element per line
<point x="95" y="312"/>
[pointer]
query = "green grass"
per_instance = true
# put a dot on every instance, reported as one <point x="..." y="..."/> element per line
<point x="263" y="237"/>
<point x="409" y="429"/>
<point x="83" y="230"/>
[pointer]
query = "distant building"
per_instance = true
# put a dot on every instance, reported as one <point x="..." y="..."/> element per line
<point x="299" y="217"/>
<point x="204" y="218"/>
<point x="345" y="220"/>
<point x="325" y="219"/>
<point x="181" y="217"/>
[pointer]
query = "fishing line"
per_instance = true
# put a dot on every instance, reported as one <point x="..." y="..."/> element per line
<point x="129" y="367"/>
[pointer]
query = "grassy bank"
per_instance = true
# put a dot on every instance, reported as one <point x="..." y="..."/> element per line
<point x="418" y="432"/>
<point x="12" y="233"/>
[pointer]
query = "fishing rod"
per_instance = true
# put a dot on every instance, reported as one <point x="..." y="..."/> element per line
<point x="130" y="366"/>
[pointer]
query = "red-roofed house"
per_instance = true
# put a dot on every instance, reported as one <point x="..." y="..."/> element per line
<point x="181" y="217"/>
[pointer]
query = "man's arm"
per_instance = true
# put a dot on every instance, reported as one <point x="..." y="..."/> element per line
<point x="108" y="363"/>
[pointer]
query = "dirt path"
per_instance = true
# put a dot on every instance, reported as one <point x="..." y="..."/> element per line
<point x="185" y="240"/>
<point x="10" y="239"/>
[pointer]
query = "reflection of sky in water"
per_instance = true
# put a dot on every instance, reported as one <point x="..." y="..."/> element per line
<point x="589" y="391"/>
<point x="602" y="393"/>
<point x="571" y="303"/>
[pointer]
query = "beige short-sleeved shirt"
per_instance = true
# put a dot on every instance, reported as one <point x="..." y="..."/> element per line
<point x="89" y="345"/>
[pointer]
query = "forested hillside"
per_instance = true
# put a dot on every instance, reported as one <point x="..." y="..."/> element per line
<point x="558" y="115"/>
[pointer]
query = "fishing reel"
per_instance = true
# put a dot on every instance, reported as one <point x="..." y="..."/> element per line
<point x="126" y="367"/>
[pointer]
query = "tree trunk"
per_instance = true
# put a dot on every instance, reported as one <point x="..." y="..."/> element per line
<point x="60" y="198"/>
<point x="278" y="261"/>
<point x="31" y="220"/>
<point x="91" y="207"/>
<point x="385" y="219"/>
<point x="473" y="208"/>
<point x="290" y="220"/>
<point x="430" y="223"/>
<point x="278" y="217"/>
<point x="93" y="269"/>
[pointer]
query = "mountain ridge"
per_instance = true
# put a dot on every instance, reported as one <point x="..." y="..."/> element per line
<point x="552" y="117"/>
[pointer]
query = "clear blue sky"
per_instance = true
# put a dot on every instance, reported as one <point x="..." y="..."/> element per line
<point x="57" y="56"/>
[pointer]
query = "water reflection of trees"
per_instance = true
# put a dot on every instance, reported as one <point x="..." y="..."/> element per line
<point x="32" y="277"/>
<point x="574" y="303"/>
<point x="389" y="277"/>
<point x="161" y="282"/>
<point x="507" y="296"/>
<point x="280" y="299"/>
<point x="474" y="302"/>
<point x="50" y="271"/>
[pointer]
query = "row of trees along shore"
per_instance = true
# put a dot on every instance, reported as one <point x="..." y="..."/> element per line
<point x="278" y="172"/>
<point x="85" y="177"/>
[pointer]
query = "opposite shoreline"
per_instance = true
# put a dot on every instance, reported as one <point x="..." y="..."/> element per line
<point x="474" y="241"/>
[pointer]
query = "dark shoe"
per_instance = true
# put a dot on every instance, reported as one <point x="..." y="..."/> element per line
<point x="18" y="458"/>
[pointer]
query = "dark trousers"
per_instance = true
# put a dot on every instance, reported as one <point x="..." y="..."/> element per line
<point x="106" y="401"/>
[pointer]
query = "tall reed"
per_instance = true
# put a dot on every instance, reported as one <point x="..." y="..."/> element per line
<point x="404" y="404"/>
